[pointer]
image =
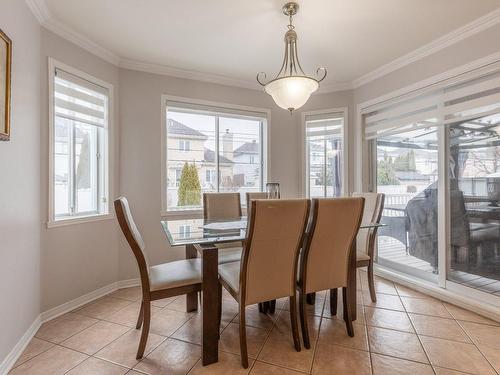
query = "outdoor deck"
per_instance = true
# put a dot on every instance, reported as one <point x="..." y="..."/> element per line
<point x="394" y="251"/>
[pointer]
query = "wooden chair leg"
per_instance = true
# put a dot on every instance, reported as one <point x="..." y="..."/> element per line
<point x="347" y="312"/>
<point x="272" y="306"/>
<point x="293" y="322"/>
<point x="303" y="320"/>
<point x="311" y="298"/>
<point x="261" y="307"/>
<point x="141" y="317"/>
<point x="371" y="283"/>
<point x="145" y="329"/>
<point x="243" y="338"/>
<point x="219" y="306"/>
<point x="333" y="301"/>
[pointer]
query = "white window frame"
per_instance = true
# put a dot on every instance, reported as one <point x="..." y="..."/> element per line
<point x="364" y="181"/>
<point x="265" y="136"/>
<point x="345" y="145"/>
<point x="183" y="143"/>
<point x="107" y="156"/>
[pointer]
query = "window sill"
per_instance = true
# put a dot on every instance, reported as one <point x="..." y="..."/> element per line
<point x="78" y="220"/>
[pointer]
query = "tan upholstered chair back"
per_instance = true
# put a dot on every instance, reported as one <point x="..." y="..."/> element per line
<point x="253" y="196"/>
<point x="221" y="206"/>
<point x="134" y="238"/>
<point x="374" y="205"/>
<point x="269" y="261"/>
<point x="334" y="227"/>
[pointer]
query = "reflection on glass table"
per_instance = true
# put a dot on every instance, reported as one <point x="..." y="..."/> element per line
<point x="208" y="232"/>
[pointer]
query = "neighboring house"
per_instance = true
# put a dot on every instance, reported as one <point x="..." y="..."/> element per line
<point x="247" y="164"/>
<point x="316" y="168"/>
<point x="185" y="144"/>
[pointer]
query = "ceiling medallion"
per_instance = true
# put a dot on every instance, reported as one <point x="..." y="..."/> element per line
<point x="292" y="87"/>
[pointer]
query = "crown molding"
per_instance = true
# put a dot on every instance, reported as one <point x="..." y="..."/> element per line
<point x="334" y="87"/>
<point x="457" y="35"/>
<point x="186" y="74"/>
<point x="42" y="13"/>
<point x="65" y="32"/>
<point x="213" y="78"/>
<point x="44" y="17"/>
<point x="39" y="10"/>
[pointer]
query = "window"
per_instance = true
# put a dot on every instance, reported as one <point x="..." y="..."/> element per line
<point x="436" y="156"/>
<point x="216" y="149"/>
<point x="184" y="231"/>
<point x="210" y="176"/>
<point x="79" y="146"/>
<point x="184" y="145"/>
<point x="324" y="154"/>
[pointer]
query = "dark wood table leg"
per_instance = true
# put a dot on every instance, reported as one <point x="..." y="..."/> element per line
<point x="311" y="298"/>
<point x="351" y="281"/>
<point x="210" y="320"/>
<point x="191" y="298"/>
<point x="272" y="306"/>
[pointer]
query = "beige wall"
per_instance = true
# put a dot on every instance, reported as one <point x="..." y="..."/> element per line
<point x="20" y="182"/>
<point x="456" y="55"/>
<point x="140" y="148"/>
<point x="79" y="258"/>
<point x="42" y="268"/>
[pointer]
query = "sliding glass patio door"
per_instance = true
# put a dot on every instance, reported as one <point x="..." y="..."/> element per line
<point x="436" y="157"/>
<point x="406" y="172"/>
<point x="472" y="119"/>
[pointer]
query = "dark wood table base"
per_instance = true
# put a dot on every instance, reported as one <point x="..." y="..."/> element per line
<point x="210" y="298"/>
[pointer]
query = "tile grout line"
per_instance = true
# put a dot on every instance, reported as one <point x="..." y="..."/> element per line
<point x="274" y="325"/>
<point x="366" y="330"/>
<point x="416" y="333"/>
<point x="311" y="368"/>
<point x="477" y="347"/>
<point x="52" y="347"/>
<point x="440" y="338"/>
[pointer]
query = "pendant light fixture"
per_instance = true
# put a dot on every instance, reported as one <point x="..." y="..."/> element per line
<point x="291" y="88"/>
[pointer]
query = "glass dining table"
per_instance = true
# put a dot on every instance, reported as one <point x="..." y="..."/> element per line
<point x="201" y="236"/>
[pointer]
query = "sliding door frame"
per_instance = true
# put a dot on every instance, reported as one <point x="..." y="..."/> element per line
<point x="365" y="179"/>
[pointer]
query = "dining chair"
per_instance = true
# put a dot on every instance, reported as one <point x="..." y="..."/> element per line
<point x="365" y="240"/>
<point x="252" y="196"/>
<point x="157" y="282"/>
<point x="325" y="259"/>
<point x="224" y="206"/>
<point x="268" y="268"/>
<point x="268" y="306"/>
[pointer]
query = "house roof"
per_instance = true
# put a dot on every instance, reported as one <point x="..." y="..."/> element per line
<point x="247" y="148"/>
<point x="209" y="156"/>
<point x="175" y="127"/>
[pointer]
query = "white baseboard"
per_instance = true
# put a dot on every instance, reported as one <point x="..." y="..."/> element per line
<point x="53" y="313"/>
<point x="128" y="283"/>
<point x="486" y="310"/>
<point x="86" y="298"/>
<point x="17" y="350"/>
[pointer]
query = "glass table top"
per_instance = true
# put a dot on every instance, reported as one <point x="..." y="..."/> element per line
<point x="208" y="232"/>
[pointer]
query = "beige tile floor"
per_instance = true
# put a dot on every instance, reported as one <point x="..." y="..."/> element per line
<point x="405" y="332"/>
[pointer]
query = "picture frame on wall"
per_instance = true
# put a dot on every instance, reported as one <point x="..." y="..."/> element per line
<point x="5" y="83"/>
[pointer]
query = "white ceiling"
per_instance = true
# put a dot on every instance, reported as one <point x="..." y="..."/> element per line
<point x="237" y="39"/>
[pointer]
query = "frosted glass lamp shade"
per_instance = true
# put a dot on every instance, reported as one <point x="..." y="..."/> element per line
<point x="291" y="92"/>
